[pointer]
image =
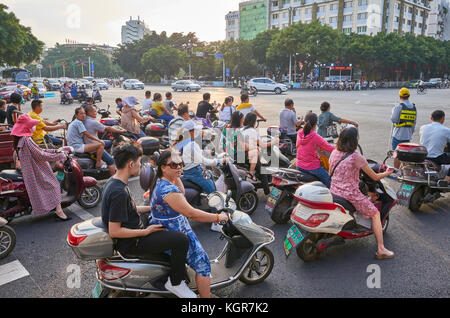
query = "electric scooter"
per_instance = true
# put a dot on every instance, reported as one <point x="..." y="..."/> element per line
<point x="322" y="220"/>
<point x="7" y="238"/>
<point x="245" y="256"/>
<point x="14" y="200"/>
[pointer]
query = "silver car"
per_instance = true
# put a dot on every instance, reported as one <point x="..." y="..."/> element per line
<point x="133" y="84"/>
<point x="188" y="86"/>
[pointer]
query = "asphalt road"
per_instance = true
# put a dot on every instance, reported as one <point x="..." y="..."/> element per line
<point x="420" y="240"/>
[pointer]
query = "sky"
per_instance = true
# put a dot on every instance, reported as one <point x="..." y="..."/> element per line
<point x="100" y="21"/>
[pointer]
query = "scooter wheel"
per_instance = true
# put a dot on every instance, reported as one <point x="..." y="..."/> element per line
<point x="282" y="214"/>
<point x="416" y="200"/>
<point x="91" y="197"/>
<point x="248" y="202"/>
<point x="307" y="250"/>
<point x="259" y="267"/>
<point x="7" y="241"/>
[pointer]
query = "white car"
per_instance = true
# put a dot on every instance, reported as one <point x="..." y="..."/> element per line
<point x="186" y="86"/>
<point x="265" y="84"/>
<point x="133" y="84"/>
<point x="102" y="84"/>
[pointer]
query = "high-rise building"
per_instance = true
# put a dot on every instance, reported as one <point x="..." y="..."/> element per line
<point x="232" y="30"/>
<point x="254" y="18"/>
<point x="439" y="21"/>
<point x="354" y="16"/>
<point x="134" y="30"/>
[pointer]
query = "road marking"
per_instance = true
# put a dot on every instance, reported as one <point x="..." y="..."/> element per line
<point x="80" y="212"/>
<point x="11" y="272"/>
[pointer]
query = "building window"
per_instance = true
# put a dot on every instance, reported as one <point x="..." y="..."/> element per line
<point x="334" y="7"/>
<point x="410" y="10"/>
<point x="363" y="3"/>
<point x="321" y="9"/>
<point x="348" y="18"/>
<point x="347" y="30"/>
<point x="348" y="4"/>
<point x="308" y="11"/>
<point x="333" y="20"/>
<point x="409" y="22"/>
<point x="275" y="16"/>
<point x="362" y="16"/>
<point x="362" y="29"/>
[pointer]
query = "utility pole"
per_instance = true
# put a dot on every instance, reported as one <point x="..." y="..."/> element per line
<point x="290" y="55"/>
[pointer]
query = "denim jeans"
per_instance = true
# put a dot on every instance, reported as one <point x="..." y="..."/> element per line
<point x="55" y="141"/>
<point x="396" y="142"/>
<point x="107" y="158"/>
<point x="195" y="175"/>
<point x="321" y="174"/>
<point x="167" y="118"/>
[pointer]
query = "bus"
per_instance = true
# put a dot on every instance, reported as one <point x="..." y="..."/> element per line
<point x="17" y="75"/>
<point x="335" y="72"/>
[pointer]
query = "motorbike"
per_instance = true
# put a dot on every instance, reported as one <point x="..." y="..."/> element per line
<point x="97" y="96"/>
<point x="422" y="181"/>
<point x="322" y="220"/>
<point x="245" y="256"/>
<point x="281" y="202"/>
<point x="66" y="98"/>
<point x="252" y="91"/>
<point x="81" y="96"/>
<point x="287" y="147"/>
<point x="7" y="238"/>
<point x="14" y="200"/>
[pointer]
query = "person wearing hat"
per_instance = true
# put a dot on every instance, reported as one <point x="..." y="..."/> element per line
<point x="404" y="117"/>
<point x="42" y="186"/>
<point x="131" y="119"/>
<point x="193" y="159"/>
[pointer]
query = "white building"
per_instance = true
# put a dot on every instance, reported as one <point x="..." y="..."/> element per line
<point x="134" y="30"/>
<point x="232" y="29"/>
<point x="439" y="21"/>
<point x="354" y="16"/>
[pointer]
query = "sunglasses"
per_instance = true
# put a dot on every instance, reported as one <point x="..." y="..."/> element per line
<point x="174" y="165"/>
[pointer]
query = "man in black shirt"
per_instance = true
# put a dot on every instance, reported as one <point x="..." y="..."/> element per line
<point x="11" y="111"/>
<point x="204" y="106"/>
<point x="2" y="111"/>
<point x="121" y="215"/>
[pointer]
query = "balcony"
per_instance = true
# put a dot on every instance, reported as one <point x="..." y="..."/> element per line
<point x="333" y="12"/>
<point x="333" y="25"/>
<point x="395" y="25"/>
<point x="308" y="16"/>
<point x="363" y="8"/>
<point x="321" y="14"/>
<point x="296" y="18"/>
<point x="275" y="21"/>
<point x="348" y="10"/>
<point x="347" y="23"/>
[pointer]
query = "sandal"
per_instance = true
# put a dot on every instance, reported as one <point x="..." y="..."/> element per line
<point x="390" y="255"/>
<point x="251" y="178"/>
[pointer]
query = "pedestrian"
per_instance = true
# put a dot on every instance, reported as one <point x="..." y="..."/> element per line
<point x="42" y="186"/>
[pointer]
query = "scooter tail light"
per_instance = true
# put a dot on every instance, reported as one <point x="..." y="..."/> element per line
<point x="75" y="240"/>
<point x="110" y="272"/>
<point x="317" y="219"/>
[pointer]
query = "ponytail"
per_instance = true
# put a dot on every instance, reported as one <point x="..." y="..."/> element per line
<point x="311" y="121"/>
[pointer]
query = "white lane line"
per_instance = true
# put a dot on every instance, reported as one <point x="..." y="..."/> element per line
<point x="11" y="272"/>
<point x="80" y="212"/>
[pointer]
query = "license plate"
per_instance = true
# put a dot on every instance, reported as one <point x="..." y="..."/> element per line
<point x="97" y="290"/>
<point x="405" y="193"/>
<point x="293" y="238"/>
<point x="272" y="200"/>
<point x="60" y="176"/>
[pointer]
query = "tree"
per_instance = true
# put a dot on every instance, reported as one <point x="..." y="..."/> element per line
<point x="164" y="61"/>
<point x="17" y="44"/>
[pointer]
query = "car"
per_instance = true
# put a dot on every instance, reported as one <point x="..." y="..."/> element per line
<point x="41" y="87"/>
<point x="435" y="82"/>
<point x="7" y="91"/>
<point x="264" y="84"/>
<point x="186" y="86"/>
<point x="84" y="82"/>
<point x="133" y="84"/>
<point x="102" y="84"/>
<point x="52" y="84"/>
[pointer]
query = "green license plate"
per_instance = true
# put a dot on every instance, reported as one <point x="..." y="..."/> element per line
<point x="293" y="238"/>
<point x="97" y="290"/>
<point x="405" y="193"/>
<point x="272" y="200"/>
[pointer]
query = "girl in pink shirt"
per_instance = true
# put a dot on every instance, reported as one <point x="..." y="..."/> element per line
<point x="345" y="183"/>
<point x="308" y="145"/>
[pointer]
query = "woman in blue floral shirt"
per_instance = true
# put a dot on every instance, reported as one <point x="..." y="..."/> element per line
<point x="170" y="208"/>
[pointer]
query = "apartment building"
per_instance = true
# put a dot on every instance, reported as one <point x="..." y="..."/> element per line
<point x="134" y="30"/>
<point x="232" y="25"/>
<point x="354" y="16"/>
<point x="254" y="18"/>
<point x="439" y="21"/>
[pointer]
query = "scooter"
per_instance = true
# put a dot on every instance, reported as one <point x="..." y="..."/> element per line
<point x="97" y="96"/>
<point x="7" y="238"/>
<point x="243" y="192"/>
<point x="281" y="202"/>
<point x="322" y="220"/>
<point x="14" y="200"/>
<point x="252" y="91"/>
<point x="66" y="98"/>
<point x="245" y="256"/>
<point x="422" y="181"/>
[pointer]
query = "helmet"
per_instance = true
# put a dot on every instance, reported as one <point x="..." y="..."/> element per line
<point x="147" y="176"/>
<point x="404" y="93"/>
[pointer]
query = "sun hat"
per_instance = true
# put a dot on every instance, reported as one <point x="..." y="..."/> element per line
<point x="131" y="101"/>
<point x="24" y="126"/>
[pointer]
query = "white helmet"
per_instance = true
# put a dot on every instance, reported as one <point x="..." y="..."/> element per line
<point x="314" y="192"/>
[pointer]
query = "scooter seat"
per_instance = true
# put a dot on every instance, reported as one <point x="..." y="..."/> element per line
<point x="162" y="258"/>
<point x="190" y="185"/>
<point x="13" y="175"/>
<point x="83" y="155"/>
<point x="344" y="203"/>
